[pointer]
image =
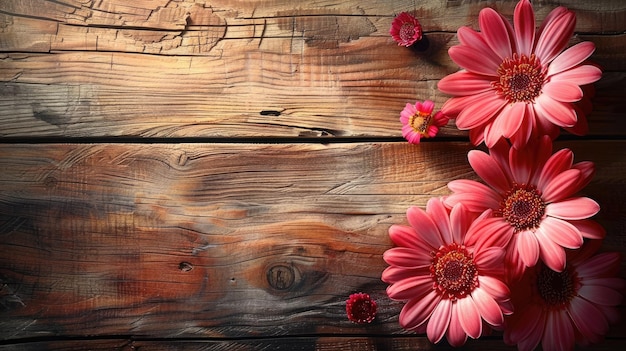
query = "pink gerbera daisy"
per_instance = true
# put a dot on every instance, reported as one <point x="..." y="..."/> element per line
<point x="405" y="29"/>
<point x="559" y="309"/>
<point x="530" y="192"/>
<point x="419" y="122"/>
<point x="450" y="278"/>
<point x="517" y="81"/>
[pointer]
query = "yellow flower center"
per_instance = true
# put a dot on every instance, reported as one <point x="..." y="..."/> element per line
<point x="420" y="122"/>
<point x="521" y="78"/>
<point x="454" y="272"/>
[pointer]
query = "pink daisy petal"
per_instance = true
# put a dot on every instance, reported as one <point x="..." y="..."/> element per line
<point x="460" y="221"/>
<point x="474" y="195"/>
<point x="589" y="229"/>
<point x="573" y="208"/>
<point x="407" y="257"/>
<point x="455" y="335"/>
<point x="489" y="257"/>
<point x="564" y="91"/>
<point x="439" y="321"/>
<point x="525" y="129"/>
<point x="528" y="247"/>
<point x="550" y="252"/>
<point x="410" y="288"/>
<point x="464" y="83"/>
<point x="571" y="57"/>
<point x="556" y="112"/>
<point x="587" y="318"/>
<point x="524" y="23"/>
<point x="489" y="170"/>
<point x="494" y="287"/>
<point x="469" y="317"/>
<point x="559" y="333"/>
<point x="554" y="36"/>
<point x="600" y="295"/>
<point x="437" y="211"/>
<point x="495" y="32"/>
<point x="562" y="233"/>
<point x="560" y="186"/>
<point x="475" y="61"/>
<point x="581" y="75"/>
<point x="474" y="115"/>
<point x="599" y="264"/>
<point x="417" y="311"/>
<point x="425" y="227"/>
<point x="393" y="274"/>
<point x="559" y="162"/>
<point x="488" y="308"/>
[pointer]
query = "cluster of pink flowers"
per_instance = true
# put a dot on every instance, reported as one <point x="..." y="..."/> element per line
<point x="519" y="251"/>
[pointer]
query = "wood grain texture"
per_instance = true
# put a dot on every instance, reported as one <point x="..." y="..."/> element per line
<point x="222" y="240"/>
<point x="248" y="69"/>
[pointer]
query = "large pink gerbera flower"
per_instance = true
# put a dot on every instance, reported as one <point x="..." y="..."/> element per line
<point x="516" y="81"/>
<point x="418" y="121"/>
<point x="559" y="309"/>
<point x="530" y="192"/>
<point x="449" y="276"/>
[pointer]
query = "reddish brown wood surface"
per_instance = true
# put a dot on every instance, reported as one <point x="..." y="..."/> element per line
<point x="259" y="168"/>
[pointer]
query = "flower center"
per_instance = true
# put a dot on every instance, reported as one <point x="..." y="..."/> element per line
<point x="420" y="122"/>
<point x="522" y="207"/>
<point x="454" y="271"/>
<point x="556" y="288"/>
<point x="407" y="31"/>
<point x="521" y="78"/>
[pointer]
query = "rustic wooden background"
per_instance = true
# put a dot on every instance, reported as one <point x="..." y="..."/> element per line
<point x="221" y="175"/>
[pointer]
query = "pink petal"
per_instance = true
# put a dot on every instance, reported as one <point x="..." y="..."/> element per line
<point x="417" y="311"/>
<point x="475" y="61"/>
<point x="495" y="33"/>
<point x="407" y="257"/>
<point x="460" y="220"/>
<point x="600" y="295"/>
<point x="559" y="187"/>
<point x="520" y="138"/>
<point x="453" y="106"/>
<point x="562" y="90"/>
<point x="558" y="113"/>
<point x="493" y="132"/>
<point x="489" y="257"/>
<point x="523" y="162"/>
<point x="405" y="236"/>
<point x="437" y="211"/>
<point x="489" y="170"/>
<point x="581" y="75"/>
<point x="424" y="226"/>
<point x="476" y="196"/>
<point x="559" y="333"/>
<point x="562" y="233"/>
<point x="550" y="252"/>
<point x="465" y="83"/>
<point x="439" y="321"/>
<point x="528" y="247"/>
<point x="426" y="107"/>
<point x="524" y="23"/>
<point x="469" y="317"/>
<point x="587" y="318"/>
<point x="510" y="119"/>
<point x="474" y="115"/>
<point x="528" y="326"/>
<point x="394" y="274"/>
<point x="410" y="288"/>
<point x="589" y="229"/>
<point x="599" y="265"/>
<point x="554" y="36"/>
<point x="494" y="287"/>
<point x="488" y="307"/>
<point x="587" y="171"/>
<point x="571" y="57"/>
<point x="456" y="335"/>
<point x="556" y="164"/>
<point x="472" y="39"/>
<point x="573" y="208"/>
<point x="615" y="283"/>
<point x="489" y="232"/>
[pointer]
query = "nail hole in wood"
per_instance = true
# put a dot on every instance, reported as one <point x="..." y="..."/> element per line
<point x="185" y="266"/>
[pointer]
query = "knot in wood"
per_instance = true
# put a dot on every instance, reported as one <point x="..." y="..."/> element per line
<point x="281" y="277"/>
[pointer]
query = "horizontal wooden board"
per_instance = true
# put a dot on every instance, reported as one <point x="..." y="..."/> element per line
<point x="249" y="68"/>
<point x="223" y="240"/>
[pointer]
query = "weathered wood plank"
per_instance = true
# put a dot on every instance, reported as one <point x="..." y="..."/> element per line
<point x="222" y="240"/>
<point x="358" y="90"/>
